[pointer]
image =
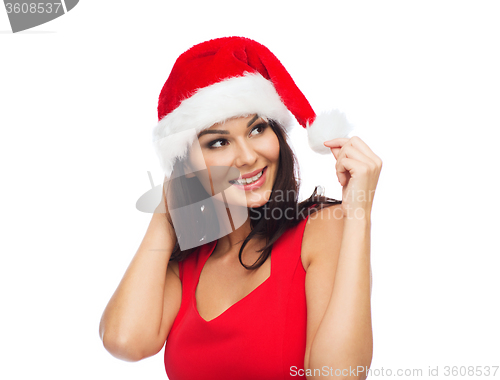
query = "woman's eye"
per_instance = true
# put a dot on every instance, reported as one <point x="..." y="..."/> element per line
<point x="216" y="143"/>
<point x="257" y="130"/>
<point x="260" y="127"/>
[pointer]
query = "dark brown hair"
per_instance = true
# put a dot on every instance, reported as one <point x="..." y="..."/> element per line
<point x="190" y="190"/>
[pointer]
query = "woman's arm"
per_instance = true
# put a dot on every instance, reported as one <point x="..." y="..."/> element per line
<point x="139" y="315"/>
<point x="338" y="289"/>
<point x="339" y="277"/>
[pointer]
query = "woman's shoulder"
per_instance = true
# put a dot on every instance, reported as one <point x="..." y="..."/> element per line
<point x="326" y="214"/>
<point x="190" y="256"/>
<point x="323" y="228"/>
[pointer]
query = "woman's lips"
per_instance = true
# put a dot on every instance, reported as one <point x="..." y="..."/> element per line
<point x="253" y="185"/>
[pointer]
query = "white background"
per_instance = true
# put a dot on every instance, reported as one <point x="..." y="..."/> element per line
<point x="78" y="96"/>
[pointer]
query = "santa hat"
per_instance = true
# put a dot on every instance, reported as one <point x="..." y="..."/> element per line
<point x="232" y="77"/>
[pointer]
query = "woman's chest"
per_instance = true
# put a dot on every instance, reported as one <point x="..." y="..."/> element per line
<point x="224" y="283"/>
<point x="261" y="336"/>
<point x="254" y="334"/>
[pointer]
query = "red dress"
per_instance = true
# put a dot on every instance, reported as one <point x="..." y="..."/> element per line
<point x="262" y="336"/>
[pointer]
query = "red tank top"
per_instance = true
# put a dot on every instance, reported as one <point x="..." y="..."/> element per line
<point x="262" y="336"/>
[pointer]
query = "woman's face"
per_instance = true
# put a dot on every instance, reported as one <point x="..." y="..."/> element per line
<point x="238" y="149"/>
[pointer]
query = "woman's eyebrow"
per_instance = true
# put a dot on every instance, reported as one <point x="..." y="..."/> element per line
<point x="252" y="121"/>
<point x="213" y="131"/>
<point x="224" y="131"/>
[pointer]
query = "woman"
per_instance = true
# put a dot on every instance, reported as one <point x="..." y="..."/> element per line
<point x="239" y="279"/>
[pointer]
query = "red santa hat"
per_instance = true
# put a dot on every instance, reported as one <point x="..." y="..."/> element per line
<point x="233" y="77"/>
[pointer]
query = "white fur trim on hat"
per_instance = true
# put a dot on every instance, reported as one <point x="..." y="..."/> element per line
<point x="327" y="126"/>
<point x="235" y="97"/>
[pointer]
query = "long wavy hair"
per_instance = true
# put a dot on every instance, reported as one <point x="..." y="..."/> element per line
<point x="187" y="191"/>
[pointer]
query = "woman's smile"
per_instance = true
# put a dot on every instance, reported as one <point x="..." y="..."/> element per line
<point x="250" y="183"/>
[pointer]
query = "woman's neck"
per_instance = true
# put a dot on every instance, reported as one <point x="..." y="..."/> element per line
<point x="230" y="220"/>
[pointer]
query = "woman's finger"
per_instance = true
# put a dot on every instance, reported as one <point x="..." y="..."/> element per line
<point x="339" y="142"/>
<point x="349" y="167"/>
<point x="343" y="168"/>
<point x="365" y="149"/>
<point x="357" y="143"/>
<point x="350" y="151"/>
<point x="339" y="153"/>
<point x="335" y="152"/>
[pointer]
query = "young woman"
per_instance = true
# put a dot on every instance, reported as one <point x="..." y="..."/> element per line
<point x="240" y="279"/>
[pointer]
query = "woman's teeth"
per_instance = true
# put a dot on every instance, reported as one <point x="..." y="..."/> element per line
<point x="247" y="181"/>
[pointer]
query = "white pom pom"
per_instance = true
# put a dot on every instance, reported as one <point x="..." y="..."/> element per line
<point x="327" y="126"/>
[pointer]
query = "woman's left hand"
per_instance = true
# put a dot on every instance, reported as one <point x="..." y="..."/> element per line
<point x="358" y="170"/>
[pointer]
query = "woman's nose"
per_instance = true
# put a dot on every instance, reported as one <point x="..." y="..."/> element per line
<point x="245" y="154"/>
